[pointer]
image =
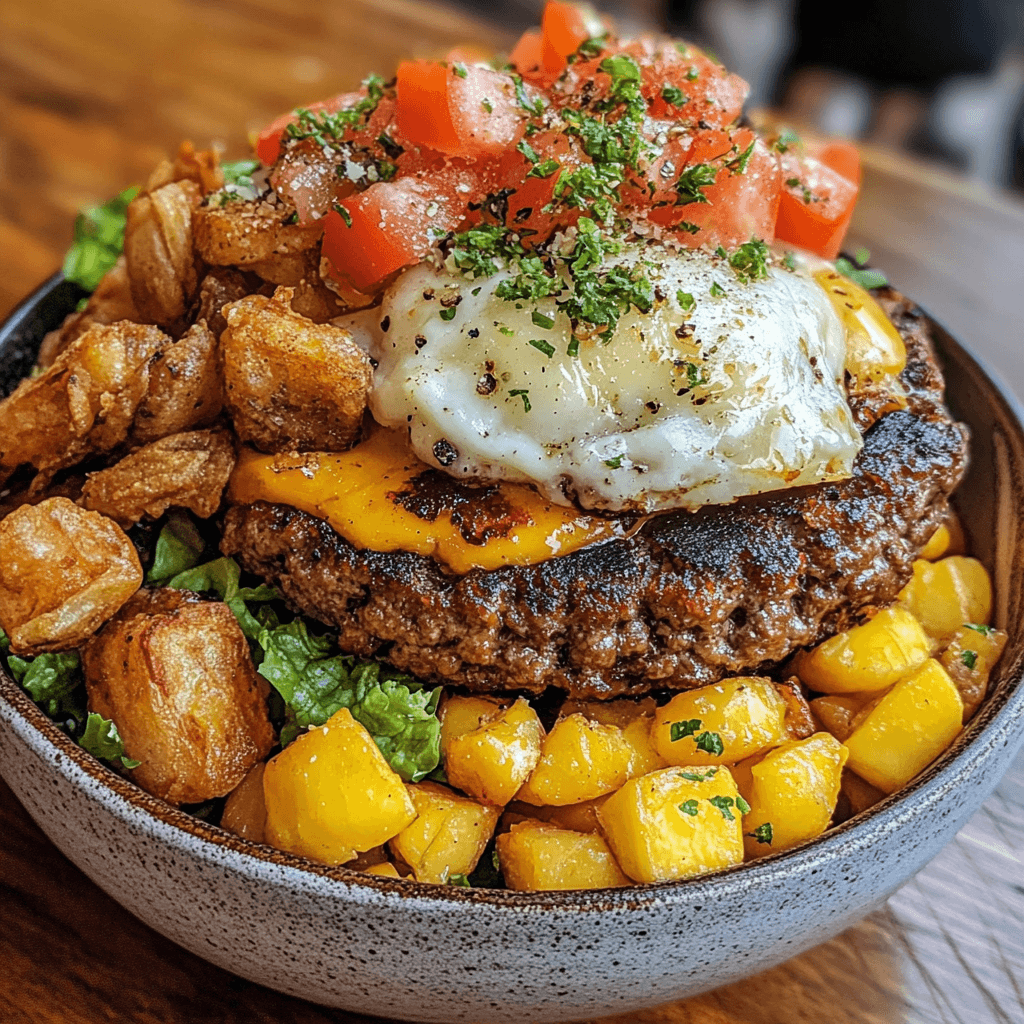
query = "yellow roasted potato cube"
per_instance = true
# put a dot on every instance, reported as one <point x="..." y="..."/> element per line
<point x="580" y="817"/>
<point x="969" y="659"/>
<point x="634" y="718"/>
<point x="722" y="723"/>
<point x="859" y="794"/>
<point x="330" y="794"/>
<point x="536" y="855"/>
<point x="448" y="834"/>
<point x="948" y="539"/>
<point x="63" y="573"/>
<point x="492" y="760"/>
<point x="245" y="812"/>
<point x="674" y="823"/>
<point x="291" y="384"/>
<point x="837" y="711"/>
<point x="579" y="760"/>
<point x="460" y="715"/>
<point x="792" y="793"/>
<point x="943" y="595"/>
<point x="906" y="729"/>
<point x="385" y="870"/>
<point x="175" y="673"/>
<point x="868" y="657"/>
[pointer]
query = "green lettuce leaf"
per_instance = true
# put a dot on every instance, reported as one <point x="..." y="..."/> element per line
<point x="178" y="548"/>
<point x="50" y="680"/>
<point x="399" y="713"/>
<point x="221" y="576"/>
<point x="102" y="740"/>
<point x="99" y="239"/>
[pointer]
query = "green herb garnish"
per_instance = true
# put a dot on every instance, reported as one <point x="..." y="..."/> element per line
<point x="98" y="240"/>
<point x="103" y="741"/>
<point x="680" y="730"/>
<point x="689" y="807"/>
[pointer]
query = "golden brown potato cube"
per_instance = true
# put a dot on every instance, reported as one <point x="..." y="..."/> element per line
<point x="859" y="794"/>
<point x="634" y="718"/>
<point x="63" y="572"/>
<point x="290" y="384"/>
<point x="837" y="711"/>
<point x="969" y="659"/>
<point x="448" y="835"/>
<point x="175" y="674"/>
<point x="84" y="403"/>
<point x="185" y="388"/>
<point x="493" y="759"/>
<point x="187" y="470"/>
<point x="245" y="812"/>
<point x="222" y="285"/>
<point x="574" y="817"/>
<point x="799" y="718"/>
<point x="537" y="856"/>
<point x="158" y="251"/>
<point x="239" y="234"/>
<point x="674" y="823"/>
<point x="943" y="595"/>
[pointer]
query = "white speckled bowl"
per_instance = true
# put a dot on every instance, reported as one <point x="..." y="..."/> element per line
<point x="431" y="953"/>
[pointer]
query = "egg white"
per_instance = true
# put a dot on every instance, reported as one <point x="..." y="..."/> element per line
<point x="740" y="395"/>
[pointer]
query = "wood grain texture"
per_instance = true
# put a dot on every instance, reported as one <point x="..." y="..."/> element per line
<point x="91" y="95"/>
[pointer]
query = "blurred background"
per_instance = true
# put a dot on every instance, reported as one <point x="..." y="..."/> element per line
<point x="942" y="79"/>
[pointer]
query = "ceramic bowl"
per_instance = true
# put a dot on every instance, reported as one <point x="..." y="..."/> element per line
<point x="431" y="953"/>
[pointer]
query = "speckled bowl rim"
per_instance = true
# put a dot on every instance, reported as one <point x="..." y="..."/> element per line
<point x="999" y="723"/>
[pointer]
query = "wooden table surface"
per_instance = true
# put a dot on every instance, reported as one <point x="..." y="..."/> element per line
<point x="91" y="95"/>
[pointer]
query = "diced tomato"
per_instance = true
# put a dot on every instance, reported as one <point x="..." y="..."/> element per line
<point x="564" y="26"/>
<point x="526" y="55"/>
<point x="817" y="204"/>
<point x="557" y="154"/>
<point x="655" y="186"/>
<point x="458" y="110"/>
<point x="268" y="143"/>
<point x="842" y="157"/>
<point x="742" y="202"/>
<point x="394" y="224"/>
<point x="710" y="93"/>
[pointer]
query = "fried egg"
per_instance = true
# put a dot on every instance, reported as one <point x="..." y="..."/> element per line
<point x="726" y="387"/>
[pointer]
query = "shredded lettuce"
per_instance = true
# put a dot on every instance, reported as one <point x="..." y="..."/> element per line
<point x="178" y="547"/>
<point x="103" y="741"/>
<point x="221" y="576"/>
<point x="51" y="681"/>
<point x="99" y="239"/>
<point x="398" y="712"/>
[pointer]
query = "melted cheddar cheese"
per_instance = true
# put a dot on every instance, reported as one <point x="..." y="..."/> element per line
<point x="380" y="496"/>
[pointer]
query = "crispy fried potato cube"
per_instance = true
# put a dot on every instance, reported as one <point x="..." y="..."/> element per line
<point x="290" y="384"/>
<point x="239" y="234"/>
<point x="903" y="731"/>
<point x="943" y="595"/>
<point x="634" y="718"/>
<point x="84" y="403"/>
<point x="574" y="817"/>
<point x="331" y="794"/>
<point x="492" y="761"/>
<point x="969" y="659"/>
<point x="674" y="823"/>
<point x="792" y="792"/>
<point x="722" y="723"/>
<point x="185" y="388"/>
<point x="859" y="794"/>
<point x="245" y="812"/>
<point x="174" y="672"/>
<point x="537" y="856"/>
<point x="158" y="250"/>
<point x="868" y="657"/>
<point x="63" y="572"/>
<point x="448" y="835"/>
<point x="579" y="760"/>
<point x="187" y="470"/>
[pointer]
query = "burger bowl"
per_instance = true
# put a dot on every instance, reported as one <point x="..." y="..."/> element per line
<point x="443" y="953"/>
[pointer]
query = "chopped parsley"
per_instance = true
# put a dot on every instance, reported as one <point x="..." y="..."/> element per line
<point x="692" y="75"/>
<point x="390" y="147"/>
<point x="675" y="96"/>
<point x="527" y="150"/>
<point x="694" y="378"/>
<point x="680" y="730"/>
<point x="544" y="169"/>
<point x="487" y="105"/>
<point x="726" y="803"/>
<point x="615" y="464"/>
<point x="686" y="301"/>
<point x="343" y="214"/>
<point x="738" y="165"/>
<point x="692" y="182"/>
<point x="786" y="140"/>
<point x="447" y="314"/>
<point x="689" y="227"/>
<point x="983" y="630"/>
<point x="573" y="348"/>
<point x="750" y="260"/>
<point x="716" y="291"/>
<point x="523" y="393"/>
<point x="592" y="47"/>
<point x="711" y="743"/>
<point x="323" y="126"/>
<point x="530" y="106"/>
<point x="540" y="320"/>
<point x="699" y="776"/>
<point x="860" y="275"/>
<point x="625" y="75"/>
<point x="970" y="659"/>
<point x="543" y="346"/>
<point x="460" y="70"/>
<point x="689" y="807"/>
<point x="763" y="834"/>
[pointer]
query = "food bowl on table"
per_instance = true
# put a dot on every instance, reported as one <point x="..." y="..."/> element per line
<point x="441" y="953"/>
